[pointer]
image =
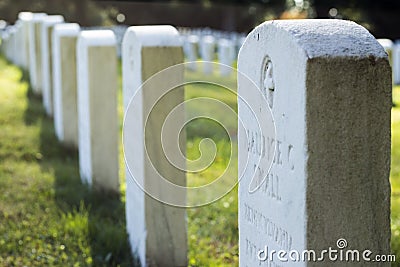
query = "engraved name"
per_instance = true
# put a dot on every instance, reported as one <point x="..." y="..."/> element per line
<point x="262" y="146"/>
<point x="252" y="251"/>
<point x="270" y="181"/>
<point x="263" y="224"/>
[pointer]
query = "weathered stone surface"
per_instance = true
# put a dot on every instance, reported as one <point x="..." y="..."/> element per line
<point x="328" y="84"/>
<point x="97" y="109"/>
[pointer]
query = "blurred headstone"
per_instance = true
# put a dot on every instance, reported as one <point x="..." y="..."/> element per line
<point x="97" y="109"/>
<point x="65" y="37"/>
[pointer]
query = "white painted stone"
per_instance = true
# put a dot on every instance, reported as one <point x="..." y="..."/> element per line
<point x="207" y="50"/>
<point x="4" y="42"/>
<point x="25" y="18"/>
<point x="396" y="62"/>
<point x="65" y="83"/>
<point x="35" y="68"/>
<point x="191" y="48"/>
<point x="7" y="45"/>
<point x="47" y="72"/>
<point x="226" y="56"/>
<point x="17" y="39"/>
<point x="329" y="90"/>
<point x="157" y="231"/>
<point x="12" y="49"/>
<point x="97" y="109"/>
<point x="388" y="45"/>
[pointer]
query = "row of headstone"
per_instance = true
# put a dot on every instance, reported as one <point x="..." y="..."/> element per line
<point x="118" y="30"/>
<point x="393" y="51"/>
<point x="314" y="101"/>
<point x="206" y="44"/>
<point x="75" y="72"/>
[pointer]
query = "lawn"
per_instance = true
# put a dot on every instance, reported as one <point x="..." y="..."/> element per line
<point x="395" y="174"/>
<point x="48" y="218"/>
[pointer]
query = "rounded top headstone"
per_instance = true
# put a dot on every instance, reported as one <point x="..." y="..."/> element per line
<point x="193" y="38"/>
<point x="323" y="37"/>
<point x="38" y="16"/>
<point x="209" y="39"/>
<point x="97" y="38"/>
<point x="385" y="43"/>
<point x="67" y="29"/>
<point x="53" y="19"/>
<point x="154" y="35"/>
<point x="25" y="16"/>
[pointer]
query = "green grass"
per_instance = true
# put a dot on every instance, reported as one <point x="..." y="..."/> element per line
<point x="213" y="229"/>
<point x="395" y="174"/>
<point x="48" y="218"/>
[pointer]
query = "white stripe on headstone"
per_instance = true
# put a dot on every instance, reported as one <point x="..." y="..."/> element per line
<point x="47" y="73"/>
<point x="157" y="231"/>
<point x="65" y="37"/>
<point x="97" y="109"/>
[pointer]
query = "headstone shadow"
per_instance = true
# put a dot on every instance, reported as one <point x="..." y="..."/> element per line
<point x="106" y="212"/>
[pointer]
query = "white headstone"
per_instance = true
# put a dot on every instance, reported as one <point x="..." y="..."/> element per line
<point x="226" y="52"/>
<point x="47" y="77"/>
<point x="25" y="18"/>
<point x="329" y="88"/>
<point x="396" y="62"/>
<point x="18" y="43"/>
<point x="12" y="47"/>
<point x="191" y="48"/>
<point x="207" y="50"/>
<point x="65" y="83"/>
<point x="35" y="68"/>
<point x="157" y="231"/>
<point x="4" y="42"/>
<point x="97" y="109"/>
<point x="387" y="44"/>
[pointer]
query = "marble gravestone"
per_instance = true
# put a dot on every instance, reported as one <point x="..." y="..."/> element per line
<point x="64" y="67"/>
<point x="35" y="69"/>
<point x="11" y="44"/>
<point x="17" y="43"/>
<point x="207" y="50"/>
<point x="47" y="72"/>
<point x="157" y="231"/>
<point x="97" y="109"/>
<point x="4" y="42"/>
<point x="226" y="52"/>
<point x="25" y="18"/>
<point x="388" y="45"/>
<point x="396" y="62"/>
<point x="191" y="48"/>
<point x="328" y="86"/>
